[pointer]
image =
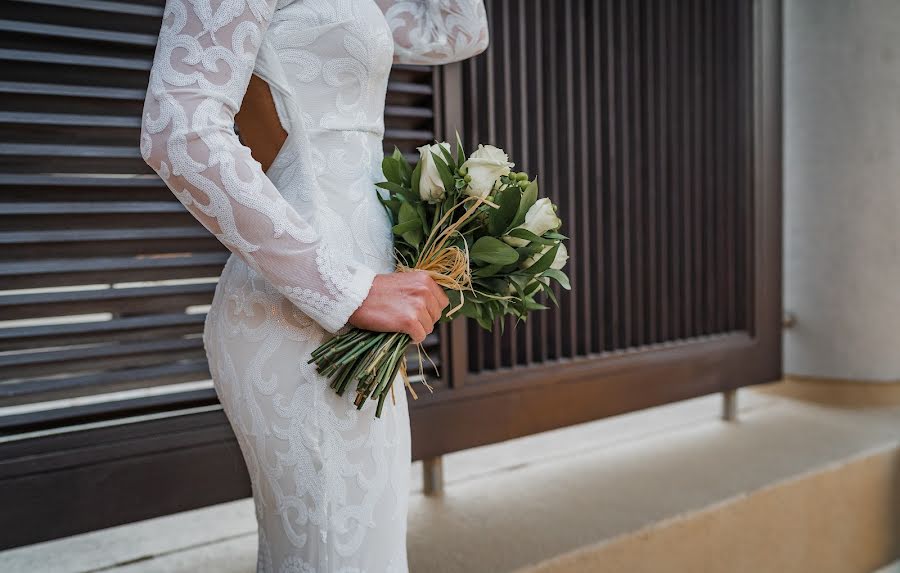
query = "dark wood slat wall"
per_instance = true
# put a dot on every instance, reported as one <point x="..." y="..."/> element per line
<point x="81" y="213"/>
<point x="99" y="266"/>
<point x="655" y="124"/>
<point x="634" y="115"/>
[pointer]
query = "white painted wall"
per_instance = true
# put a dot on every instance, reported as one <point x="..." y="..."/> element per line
<point x="842" y="188"/>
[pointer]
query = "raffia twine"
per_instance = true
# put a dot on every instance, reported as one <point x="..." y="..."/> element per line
<point x="448" y="266"/>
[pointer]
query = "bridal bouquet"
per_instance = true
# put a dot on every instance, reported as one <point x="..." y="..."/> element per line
<point x="479" y="230"/>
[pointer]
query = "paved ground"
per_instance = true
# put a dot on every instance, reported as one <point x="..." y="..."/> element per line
<point x="513" y="504"/>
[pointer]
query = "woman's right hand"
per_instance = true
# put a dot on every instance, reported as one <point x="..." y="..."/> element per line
<point x="409" y="302"/>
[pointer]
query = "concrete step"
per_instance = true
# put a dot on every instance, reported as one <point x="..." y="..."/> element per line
<point x="794" y="485"/>
<point x="790" y="485"/>
<point x="841" y="518"/>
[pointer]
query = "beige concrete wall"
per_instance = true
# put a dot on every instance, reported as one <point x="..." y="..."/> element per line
<point x="842" y="188"/>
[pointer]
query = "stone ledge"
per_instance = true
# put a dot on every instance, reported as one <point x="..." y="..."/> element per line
<point x="514" y="519"/>
<point x="529" y="501"/>
<point x="840" y="519"/>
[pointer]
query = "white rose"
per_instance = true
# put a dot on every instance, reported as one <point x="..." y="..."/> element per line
<point x="486" y="165"/>
<point x="539" y="219"/>
<point x="431" y="186"/>
<point x="559" y="261"/>
<point x="561" y="258"/>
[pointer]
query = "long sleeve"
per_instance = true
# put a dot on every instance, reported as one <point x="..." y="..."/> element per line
<point x="204" y="58"/>
<point x="436" y="31"/>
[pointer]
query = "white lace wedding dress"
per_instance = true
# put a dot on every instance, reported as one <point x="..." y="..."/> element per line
<point x="330" y="483"/>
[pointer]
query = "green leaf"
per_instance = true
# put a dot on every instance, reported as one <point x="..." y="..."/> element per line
<point x="392" y="205"/>
<point x="494" y="285"/>
<point x="453" y="297"/>
<point x="542" y="263"/>
<point x="527" y="235"/>
<point x="493" y="251"/>
<point x="398" y="190"/>
<point x="519" y="286"/>
<point x="559" y="277"/>
<point x="529" y="250"/>
<point x="551" y="294"/>
<point x="487" y="271"/>
<point x="403" y="165"/>
<point x="531" y="305"/>
<point x="555" y="235"/>
<point x="533" y="286"/>
<point x="460" y="154"/>
<point x="508" y="203"/>
<point x="445" y="151"/>
<point x="423" y="217"/>
<point x="447" y="177"/>
<point x="391" y="169"/>
<point x="401" y="228"/>
<point x="470" y="307"/>
<point x="408" y="214"/>
<point x="485" y="323"/>
<point x="529" y="196"/>
<point x="414" y="179"/>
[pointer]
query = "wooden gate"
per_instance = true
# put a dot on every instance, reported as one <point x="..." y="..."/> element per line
<point x="655" y="124"/>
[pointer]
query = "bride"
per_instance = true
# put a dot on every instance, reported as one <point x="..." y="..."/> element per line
<point x="311" y="246"/>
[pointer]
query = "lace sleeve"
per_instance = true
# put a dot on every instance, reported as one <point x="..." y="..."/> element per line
<point x="436" y="31"/>
<point x="203" y="62"/>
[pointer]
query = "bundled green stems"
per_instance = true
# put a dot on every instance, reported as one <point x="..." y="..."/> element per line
<point x="372" y="359"/>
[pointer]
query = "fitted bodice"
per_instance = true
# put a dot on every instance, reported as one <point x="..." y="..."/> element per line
<point x="311" y="227"/>
<point x="337" y="56"/>
<point x="327" y="65"/>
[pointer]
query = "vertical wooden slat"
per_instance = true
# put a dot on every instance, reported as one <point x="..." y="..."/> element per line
<point x="738" y="155"/>
<point x="741" y="151"/>
<point x="612" y="112"/>
<point x="527" y="49"/>
<point x="475" y="131"/>
<point x="677" y="196"/>
<point x="512" y="145"/>
<point x="664" y="170"/>
<point x="625" y="129"/>
<point x="635" y="154"/>
<point x="541" y="102"/>
<point x="699" y="173"/>
<point x="569" y="311"/>
<point x="449" y="85"/>
<point x="651" y="21"/>
<point x="554" y="340"/>
<point x="752" y="96"/>
<point x="719" y="275"/>
<point x="688" y="167"/>
<point x="598" y="186"/>
<point x="709" y="169"/>
<point x="494" y="133"/>
<point x="585" y="159"/>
